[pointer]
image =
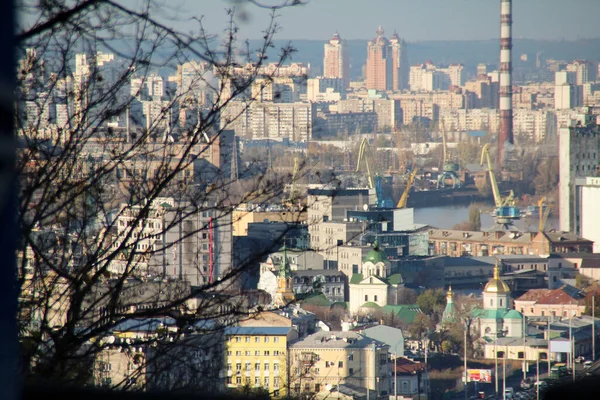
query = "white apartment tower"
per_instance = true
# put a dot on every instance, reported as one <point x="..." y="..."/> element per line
<point x="336" y="63"/>
<point x="579" y="157"/>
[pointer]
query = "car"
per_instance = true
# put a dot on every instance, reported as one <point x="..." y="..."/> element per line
<point x="588" y="363"/>
<point x="526" y="383"/>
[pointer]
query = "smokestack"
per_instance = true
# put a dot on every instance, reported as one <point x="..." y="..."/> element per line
<point x="506" y="117"/>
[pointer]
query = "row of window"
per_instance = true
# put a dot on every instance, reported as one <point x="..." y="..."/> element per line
<point x="367" y="297"/>
<point x="248" y="339"/>
<point x="248" y="380"/>
<point x="256" y="353"/>
<point x="248" y="367"/>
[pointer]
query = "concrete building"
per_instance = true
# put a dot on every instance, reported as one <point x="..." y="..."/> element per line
<point x="579" y="157"/>
<point x="586" y="264"/>
<point x="535" y="125"/>
<point x="379" y="67"/>
<point x="327" y="359"/>
<point x="256" y="357"/>
<point x="587" y="211"/>
<point x="563" y="302"/>
<point x="336" y="62"/>
<point x="583" y="70"/>
<point x="456" y="243"/>
<point x="196" y="249"/>
<point x="400" y="65"/>
<point x="268" y="120"/>
<point x="325" y="89"/>
<point x="389" y="112"/>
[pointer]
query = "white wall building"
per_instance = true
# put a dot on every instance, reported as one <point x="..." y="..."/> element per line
<point x="579" y="156"/>
<point x="587" y="209"/>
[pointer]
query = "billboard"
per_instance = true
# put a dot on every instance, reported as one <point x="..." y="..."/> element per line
<point x="479" y="375"/>
<point x="560" y="346"/>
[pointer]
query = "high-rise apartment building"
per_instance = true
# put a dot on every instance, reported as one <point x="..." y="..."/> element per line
<point x="579" y="156"/>
<point x="400" y="66"/>
<point x="567" y="94"/>
<point x="379" y="63"/>
<point x="336" y="63"/>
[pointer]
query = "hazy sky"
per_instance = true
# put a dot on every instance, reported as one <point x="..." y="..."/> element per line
<point x="413" y="19"/>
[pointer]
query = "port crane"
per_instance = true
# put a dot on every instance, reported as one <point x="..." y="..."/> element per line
<point x="543" y="213"/>
<point x="449" y="168"/>
<point x="409" y="182"/>
<point x="506" y="212"/>
<point x="377" y="184"/>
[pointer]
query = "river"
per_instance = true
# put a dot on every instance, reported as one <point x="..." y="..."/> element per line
<point x="448" y="216"/>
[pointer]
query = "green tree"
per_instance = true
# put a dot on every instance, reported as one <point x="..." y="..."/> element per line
<point x="474" y="217"/>
<point x="432" y="303"/>
<point x="421" y="325"/>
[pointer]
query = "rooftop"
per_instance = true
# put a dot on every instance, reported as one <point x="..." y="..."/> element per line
<point x="336" y="340"/>
<point x="257" y="330"/>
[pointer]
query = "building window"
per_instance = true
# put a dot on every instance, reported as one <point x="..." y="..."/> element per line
<point x="275" y="352"/>
<point x="248" y="365"/>
<point x="276" y="339"/>
<point x="257" y="381"/>
<point x="257" y="367"/>
<point x="257" y="339"/>
<point x="257" y="352"/>
<point x="238" y="366"/>
<point x="520" y="354"/>
<point x="404" y="386"/>
<point x="366" y="297"/>
<point x="228" y="366"/>
<point x="238" y="353"/>
<point x="266" y="381"/>
<point x="229" y="380"/>
<point x="266" y="339"/>
<point x="375" y="297"/>
<point x="248" y="353"/>
<point x="267" y="353"/>
<point x="351" y="371"/>
<point x="247" y="339"/>
<point x="500" y="302"/>
<point x="266" y="366"/>
<point x="275" y="367"/>
<point x="317" y="387"/>
<point x="238" y="380"/>
<point x="238" y="339"/>
<point x="340" y="364"/>
<point x="351" y="357"/>
<point x="229" y="353"/>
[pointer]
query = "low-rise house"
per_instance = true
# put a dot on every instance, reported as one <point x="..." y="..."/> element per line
<point x="562" y="303"/>
<point x="410" y="379"/>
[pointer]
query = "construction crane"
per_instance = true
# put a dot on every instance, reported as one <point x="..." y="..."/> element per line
<point x="409" y="182"/>
<point x="449" y="168"/>
<point x="505" y="211"/>
<point x="363" y="158"/>
<point x="543" y="213"/>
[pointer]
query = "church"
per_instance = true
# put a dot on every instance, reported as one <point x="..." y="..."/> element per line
<point x="497" y="317"/>
<point x="374" y="286"/>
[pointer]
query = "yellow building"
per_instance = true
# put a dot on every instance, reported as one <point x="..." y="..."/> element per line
<point x="242" y="217"/>
<point x="256" y="357"/>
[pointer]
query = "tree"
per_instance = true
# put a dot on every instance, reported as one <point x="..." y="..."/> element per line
<point x="124" y="181"/>
<point x="422" y="324"/>
<point x="475" y="217"/>
<point x="432" y="303"/>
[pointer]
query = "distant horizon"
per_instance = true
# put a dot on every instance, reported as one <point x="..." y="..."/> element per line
<point x="439" y="40"/>
<point x="431" y="20"/>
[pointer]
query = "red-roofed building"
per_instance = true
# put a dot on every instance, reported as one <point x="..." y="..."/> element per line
<point x="562" y="302"/>
<point x="411" y="378"/>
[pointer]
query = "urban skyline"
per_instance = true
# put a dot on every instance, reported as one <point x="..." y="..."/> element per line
<point x="458" y="20"/>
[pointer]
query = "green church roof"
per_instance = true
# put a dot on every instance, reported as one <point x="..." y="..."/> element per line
<point x="376" y="255"/>
<point x="356" y="279"/>
<point x="513" y="314"/>
<point x="371" y="304"/>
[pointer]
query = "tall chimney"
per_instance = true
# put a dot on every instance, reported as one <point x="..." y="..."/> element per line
<point x="506" y="117"/>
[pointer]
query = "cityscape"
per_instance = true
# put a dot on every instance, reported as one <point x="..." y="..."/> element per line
<point x="204" y="215"/>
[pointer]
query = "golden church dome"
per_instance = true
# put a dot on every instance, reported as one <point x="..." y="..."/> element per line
<point x="496" y="285"/>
